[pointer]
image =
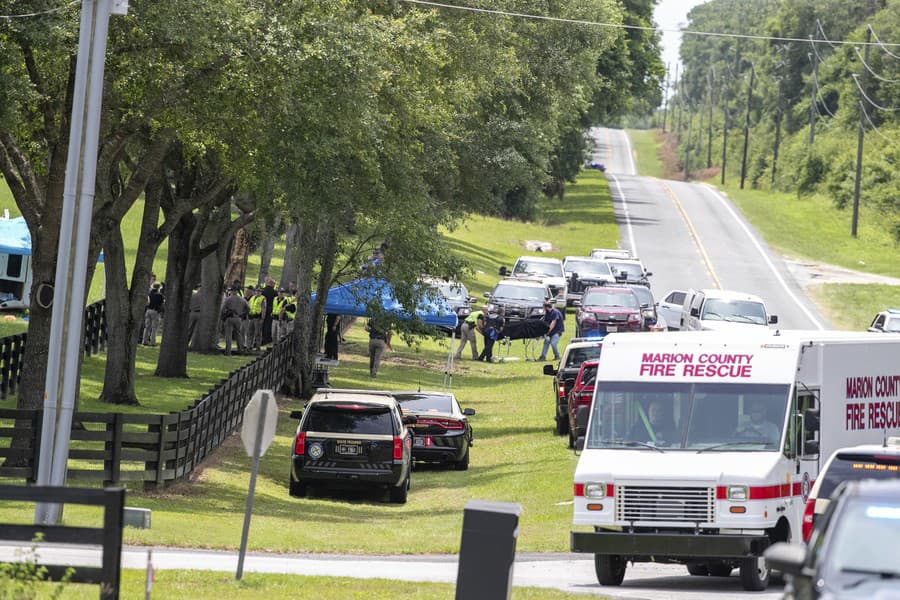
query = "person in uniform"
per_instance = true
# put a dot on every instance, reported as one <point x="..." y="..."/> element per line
<point x="379" y="341"/>
<point x="257" y="304"/>
<point x="474" y="322"/>
<point x="152" y="314"/>
<point x="234" y="308"/>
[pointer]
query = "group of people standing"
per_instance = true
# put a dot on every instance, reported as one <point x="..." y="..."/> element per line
<point x="490" y="326"/>
<point x="260" y="316"/>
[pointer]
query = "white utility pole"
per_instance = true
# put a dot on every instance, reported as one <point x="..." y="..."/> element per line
<point x="67" y="317"/>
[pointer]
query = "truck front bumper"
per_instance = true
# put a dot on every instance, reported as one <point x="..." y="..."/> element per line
<point x="669" y="545"/>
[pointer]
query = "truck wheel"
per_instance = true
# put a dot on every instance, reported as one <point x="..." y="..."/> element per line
<point x="571" y="439"/>
<point x="562" y="425"/>
<point x="610" y="568"/>
<point x="754" y="574"/>
<point x="697" y="569"/>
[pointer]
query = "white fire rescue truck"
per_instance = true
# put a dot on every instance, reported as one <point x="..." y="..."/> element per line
<point x="701" y="447"/>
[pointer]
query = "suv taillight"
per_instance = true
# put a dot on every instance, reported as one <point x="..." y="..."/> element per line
<point x="584" y="398"/>
<point x="300" y="444"/>
<point x="398" y="448"/>
<point x="809" y="513"/>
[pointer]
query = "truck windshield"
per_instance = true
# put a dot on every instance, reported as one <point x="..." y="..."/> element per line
<point x="688" y="416"/>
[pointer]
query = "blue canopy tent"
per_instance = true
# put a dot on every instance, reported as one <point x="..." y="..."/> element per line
<point x="15" y="264"/>
<point x="353" y="299"/>
<point x="15" y="237"/>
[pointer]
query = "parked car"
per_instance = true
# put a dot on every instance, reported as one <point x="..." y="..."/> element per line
<point x="442" y="432"/>
<point x="573" y="356"/>
<point x="872" y="461"/>
<point x="356" y="438"/>
<point x="584" y="272"/>
<point x="548" y="270"/>
<point x="629" y="270"/>
<point x="723" y="310"/>
<point x="852" y="552"/>
<point x="670" y="307"/>
<point x="887" y="321"/>
<point x="580" y="398"/>
<point x="607" y="309"/>
<point x="604" y="253"/>
<point x="455" y="294"/>
<point x="520" y="298"/>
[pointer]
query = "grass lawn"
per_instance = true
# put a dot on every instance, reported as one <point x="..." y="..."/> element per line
<point x="200" y="584"/>
<point x="646" y="149"/>
<point x="516" y="457"/>
<point x="853" y="307"/>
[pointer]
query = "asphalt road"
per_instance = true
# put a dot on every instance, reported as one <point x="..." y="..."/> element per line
<point x="690" y="235"/>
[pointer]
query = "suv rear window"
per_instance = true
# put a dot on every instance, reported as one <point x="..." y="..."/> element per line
<point x="577" y="356"/>
<point x="851" y="467"/>
<point x="357" y="419"/>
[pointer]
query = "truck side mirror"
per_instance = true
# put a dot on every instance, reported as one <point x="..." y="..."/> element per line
<point x="648" y="274"/>
<point x="811" y="448"/>
<point x="773" y="319"/>
<point x="469" y="412"/>
<point x="787" y="558"/>
<point x="486" y="294"/>
<point x="811" y="420"/>
<point x="549" y="370"/>
<point x="503" y="271"/>
<point x="695" y="312"/>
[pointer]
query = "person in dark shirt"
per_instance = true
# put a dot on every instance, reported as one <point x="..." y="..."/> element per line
<point x="332" y="335"/>
<point x="269" y="294"/>
<point x="493" y="331"/>
<point x="556" y="326"/>
<point x="379" y="341"/>
<point x="152" y="314"/>
<point x="656" y="427"/>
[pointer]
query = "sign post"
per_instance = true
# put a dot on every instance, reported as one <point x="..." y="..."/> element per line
<point x="257" y="432"/>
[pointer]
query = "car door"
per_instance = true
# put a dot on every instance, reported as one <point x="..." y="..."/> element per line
<point x="877" y="324"/>
<point x="670" y="307"/>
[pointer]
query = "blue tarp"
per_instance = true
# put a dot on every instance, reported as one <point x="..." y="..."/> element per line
<point x="353" y="298"/>
<point x="15" y="237"/>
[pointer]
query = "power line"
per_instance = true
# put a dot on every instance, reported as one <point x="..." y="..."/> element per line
<point x="815" y="82"/>
<point x="869" y="100"/>
<point x="872" y="71"/>
<point x="43" y="12"/>
<point x="815" y="50"/>
<point x="872" y="125"/>
<point x="822" y="31"/>
<point x="634" y="27"/>
<point x="877" y="41"/>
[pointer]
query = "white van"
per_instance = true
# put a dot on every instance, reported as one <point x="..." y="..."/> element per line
<point x="702" y="447"/>
<point x="723" y="310"/>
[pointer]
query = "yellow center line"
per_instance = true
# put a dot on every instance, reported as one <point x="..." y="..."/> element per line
<point x="694" y="235"/>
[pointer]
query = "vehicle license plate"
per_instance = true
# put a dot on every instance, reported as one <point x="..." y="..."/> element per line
<point x="349" y="449"/>
<point x="612" y="328"/>
<point x="419" y="442"/>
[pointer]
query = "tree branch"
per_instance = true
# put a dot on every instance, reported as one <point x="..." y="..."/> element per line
<point x="29" y="198"/>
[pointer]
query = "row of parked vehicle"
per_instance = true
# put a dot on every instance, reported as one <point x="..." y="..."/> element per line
<point x="366" y="439"/>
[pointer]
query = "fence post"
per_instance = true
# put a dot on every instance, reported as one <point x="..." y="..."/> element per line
<point x="113" y="518"/>
<point x="4" y="366"/>
<point x="113" y="464"/>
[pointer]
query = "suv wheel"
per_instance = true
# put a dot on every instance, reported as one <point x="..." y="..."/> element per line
<point x="298" y="489"/>
<point x="562" y="425"/>
<point x="399" y="493"/>
<point x="462" y="465"/>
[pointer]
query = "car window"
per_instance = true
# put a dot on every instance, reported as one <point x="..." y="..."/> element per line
<point x="588" y="374"/>
<point x="600" y="298"/>
<point x="866" y="539"/>
<point x="576" y="356"/>
<point x="587" y="267"/>
<point x="426" y="402"/>
<point x="519" y="292"/>
<point x="878" y="323"/>
<point x="893" y="324"/>
<point x="524" y="267"/>
<point x="851" y="467"/>
<point x="644" y="294"/>
<point x="453" y="291"/>
<point x="737" y="311"/>
<point x="350" y="418"/>
<point x="676" y="298"/>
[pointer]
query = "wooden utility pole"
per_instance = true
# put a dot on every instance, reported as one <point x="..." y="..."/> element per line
<point x="813" y="96"/>
<point x="677" y="104"/>
<point x="709" y="138"/>
<point x="862" y="132"/>
<point x="665" y="99"/>
<point x="747" y="125"/>
<point x="778" y="117"/>
<point x="724" y="131"/>
<point x="687" y="146"/>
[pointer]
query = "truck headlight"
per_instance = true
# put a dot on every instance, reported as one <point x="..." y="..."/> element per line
<point x="738" y="493"/>
<point x="595" y="490"/>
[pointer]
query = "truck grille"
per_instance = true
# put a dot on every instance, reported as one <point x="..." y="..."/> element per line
<point x="669" y="504"/>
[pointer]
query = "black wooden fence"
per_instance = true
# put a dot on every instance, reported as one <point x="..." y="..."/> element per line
<point x="12" y="348"/>
<point x="154" y="449"/>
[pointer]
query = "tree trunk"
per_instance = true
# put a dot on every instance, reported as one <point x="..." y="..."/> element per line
<point x="268" y="246"/>
<point x="211" y="284"/>
<point x="181" y="275"/>
<point x="237" y="262"/>
<point x="291" y="256"/>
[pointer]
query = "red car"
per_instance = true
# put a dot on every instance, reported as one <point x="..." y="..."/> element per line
<point x="581" y="395"/>
<point x="607" y="309"/>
